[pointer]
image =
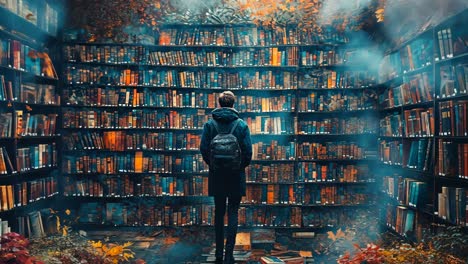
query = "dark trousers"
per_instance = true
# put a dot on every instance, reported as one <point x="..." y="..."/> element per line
<point x="233" y="213"/>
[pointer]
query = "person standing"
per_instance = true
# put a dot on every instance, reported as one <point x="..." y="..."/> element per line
<point x="227" y="158"/>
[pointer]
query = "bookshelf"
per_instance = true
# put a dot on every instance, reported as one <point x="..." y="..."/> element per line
<point x="423" y="131"/>
<point x="284" y="81"/>
<point x="29" y="110"/>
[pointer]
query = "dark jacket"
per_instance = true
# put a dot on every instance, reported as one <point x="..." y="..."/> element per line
<point x="232" y="185"/>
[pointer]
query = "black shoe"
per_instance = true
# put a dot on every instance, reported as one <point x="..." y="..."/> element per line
<point x="219" y="260"/>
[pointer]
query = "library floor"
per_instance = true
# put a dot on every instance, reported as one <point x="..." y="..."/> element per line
<point x="193" y="244"/>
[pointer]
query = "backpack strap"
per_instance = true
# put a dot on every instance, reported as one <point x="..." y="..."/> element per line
<point x="236" y="122"/>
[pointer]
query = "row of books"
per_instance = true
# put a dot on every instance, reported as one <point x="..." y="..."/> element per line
<point x="451" y="42"/>
<point x="271" y="173"/>
<point x="246" y="36"/>
<point x="419" y="122"/>
<point x="106" y="54"/>
<point x="313" y="102"/>
<point x="28" y="124"/>
<point x="273" y="56"/>
<point x="31" y="225"/>
<point x="220" y="78"/>
<point x="225" y="57"/>
<point x="329" y="101"/>
<point x="128" y="186"/>
<point x="36" y="157"/>
<point x="333" y="172"/>
<point x="453" y="159"/>
<point x="308" y="172"/>
<point x="166" y="119"/>
<point x="282" y="103"/>
<point x="44" y="15"/>
<point x="417" y="54"/>
<point x="453" y="121"/>
<point x="289" y="216"/>
<point x="138" y="162"/>
<point x="273" y="150"/>
<point x="391" y="152"/>
<point x="336" y="195"/>
<point x="156" y="215"/>
<point x="32" y="93"/>
<point x="113" y="96"/>
<point x="305" y="195"/>
<point x="331" y="150"/>
<point x="406" y="191"/>
<point x="19" y="56"/>
<point x="329" y="79"/>
<point x="255" y="194"/>
<point x="21" y="194"/>
<point x="335" y="126"/>
<point x="419" y="155"/>
<point x="401" y="219"/>
<point x="413" y="56"/>
<point x="271" y="125"/>
<point x="452" y="205"/>
<point x="418" y="88"/>
<point x="320" y="57"/>
<point x="73" y="118"/>
<point x="184" y="215"/>
<point x="131" y="97"/>
<point x="391" y="125"/>
<point x="416" y="155"/>
<point x="123" y="140"/>
<point x="453" y="80"/>
<point x="145" y="214"/>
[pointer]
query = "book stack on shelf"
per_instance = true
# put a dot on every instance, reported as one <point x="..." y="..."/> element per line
<point x="131" y="111"/>
<point x="423" y="129"/>
<point x="29" y="111"/>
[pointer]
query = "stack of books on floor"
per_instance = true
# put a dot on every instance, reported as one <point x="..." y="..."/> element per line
<point x="245" y="253"/>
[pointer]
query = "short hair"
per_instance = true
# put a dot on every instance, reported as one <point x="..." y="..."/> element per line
<point x="227" y="99"/>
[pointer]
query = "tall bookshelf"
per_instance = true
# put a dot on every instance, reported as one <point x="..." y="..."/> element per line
<point x="29" y="112"/>
<point x="422" y="140"/>
<point x="286" y="84"/>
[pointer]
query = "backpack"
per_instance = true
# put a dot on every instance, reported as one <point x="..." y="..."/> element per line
<point x="225" y="151"/>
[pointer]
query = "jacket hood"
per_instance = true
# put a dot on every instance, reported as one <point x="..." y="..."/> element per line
<point x="225" y="114"/>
